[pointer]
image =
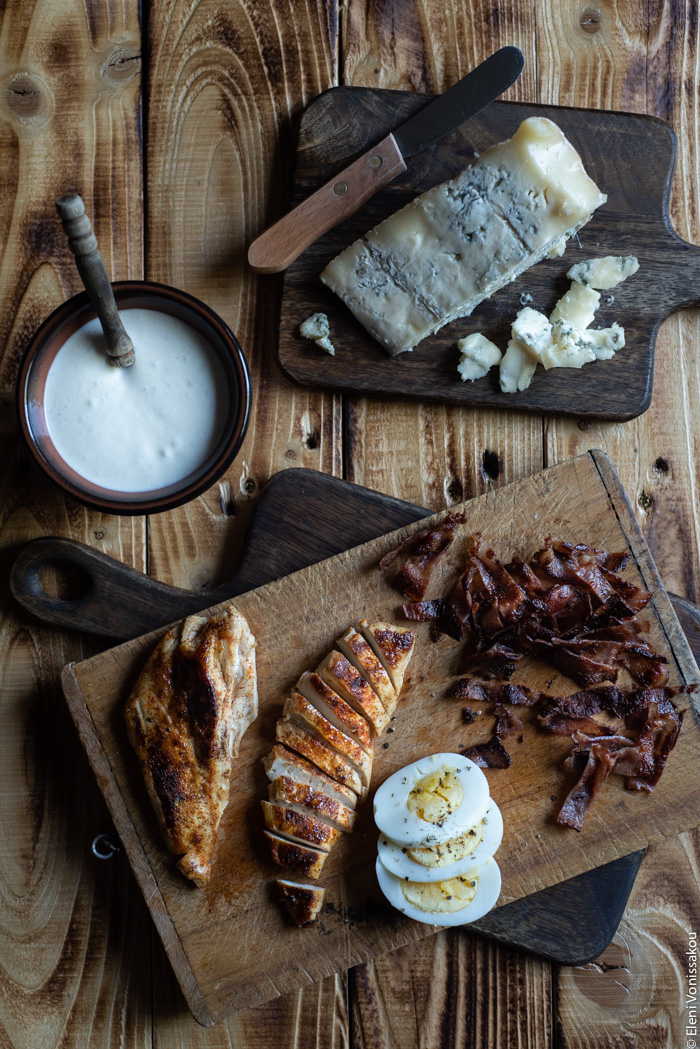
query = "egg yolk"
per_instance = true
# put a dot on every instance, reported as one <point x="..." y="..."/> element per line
<point x="437" y="796"/>
<point x="449" y="851"/>
<point x="441" y="897"/>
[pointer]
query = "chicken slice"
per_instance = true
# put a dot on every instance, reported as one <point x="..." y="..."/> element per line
<point x="300" y="859"/>
<point x="393" y="645"/>
<point x="310" y="746"/>
<point x="284" y="763"/>
<point x="306" y="715"/>
<point x="300" y="797"/>
<point x="363" y="658"/>
<point x="185" y="718"/>
<point x="299" y="826"/>
<point x="335" y="709"/>
<point x="303" y="902"/>
<point x="338" y="672"/>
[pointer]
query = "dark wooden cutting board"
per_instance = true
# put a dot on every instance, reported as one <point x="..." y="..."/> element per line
<point x="257" y="954"/>
<point x="119" y="602"/>
<point x="630" y="157"/>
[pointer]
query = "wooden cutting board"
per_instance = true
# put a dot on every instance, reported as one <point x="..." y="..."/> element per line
<point x="231" y="945"/>
<point x="630" y="157"/>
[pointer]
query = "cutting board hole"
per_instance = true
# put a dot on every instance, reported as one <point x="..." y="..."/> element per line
<point x="63" y="582"/>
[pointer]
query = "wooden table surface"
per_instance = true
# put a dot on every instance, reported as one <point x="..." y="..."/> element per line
<point x="178" y="132"/>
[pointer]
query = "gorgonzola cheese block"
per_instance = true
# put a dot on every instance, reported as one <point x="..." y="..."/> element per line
<point x="457" y="244"/>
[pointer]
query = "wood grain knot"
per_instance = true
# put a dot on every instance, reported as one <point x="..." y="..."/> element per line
<point x="607" y="981"/>
<point x="122" y="65"/>
<point x="591" y="21"/>
<point x="645" y="501"/>
<point x="27" y="98"/>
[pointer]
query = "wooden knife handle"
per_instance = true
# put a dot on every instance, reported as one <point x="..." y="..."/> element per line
<point x="281" y="244"/>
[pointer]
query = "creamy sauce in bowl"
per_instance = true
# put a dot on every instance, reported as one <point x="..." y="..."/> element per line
<point x="143" y="428"/>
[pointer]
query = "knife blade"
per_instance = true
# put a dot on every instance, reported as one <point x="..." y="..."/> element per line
<point x="280" y="244"/>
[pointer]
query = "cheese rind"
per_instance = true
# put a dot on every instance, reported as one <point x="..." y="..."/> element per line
<point x="604" y="273"/>
<point x="457" y="244"/>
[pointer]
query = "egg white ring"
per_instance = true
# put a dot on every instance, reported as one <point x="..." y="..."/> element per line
<point x="392" y="815"/>
<point x="487" y="892"/>
<point x="400" y="863"/>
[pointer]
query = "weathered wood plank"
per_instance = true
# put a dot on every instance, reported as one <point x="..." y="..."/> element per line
<point x="435" y="456"/>
<point x="220" y="138"/>
<point x="75" y="937"/>
<point x="624" y="57"/>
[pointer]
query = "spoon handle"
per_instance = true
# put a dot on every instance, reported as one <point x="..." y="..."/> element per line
<point x="91" y="268"/>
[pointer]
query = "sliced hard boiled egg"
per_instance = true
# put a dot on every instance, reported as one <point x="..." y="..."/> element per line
<point x="447" y="860"/>
<point x="431" y="801"/>
<point x="456" y="901"/>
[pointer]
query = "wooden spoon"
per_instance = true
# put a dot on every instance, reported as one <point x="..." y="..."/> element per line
<point x="93" y="272"/>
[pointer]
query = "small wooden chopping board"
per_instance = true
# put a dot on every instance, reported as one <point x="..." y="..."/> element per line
<point x="630" y="157"/>
<point x="231" y="945"/>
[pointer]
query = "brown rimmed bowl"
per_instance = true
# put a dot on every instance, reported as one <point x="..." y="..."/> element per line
<point x="48" y="341"/>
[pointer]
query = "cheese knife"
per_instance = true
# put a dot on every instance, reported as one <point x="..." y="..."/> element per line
<point x="280" y="244"/>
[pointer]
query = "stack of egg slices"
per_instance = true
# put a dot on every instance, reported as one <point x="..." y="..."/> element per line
<point x="439" y="833"/>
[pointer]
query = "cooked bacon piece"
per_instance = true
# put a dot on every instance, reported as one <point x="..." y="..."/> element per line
<point x="490" y="755"/>
<point x="303" y="902"/>
<point x="657" y="739"/>
<point x="510" y="599"/>
<point x="507" y="724"/>
<point x="498" y="661"/>
<point x="598" y="767"/>
<point x="494" y="692"/>
<point x="301" y="859"/>
<point x="565" y="725"/>
<point x="424" y="611"/>
<point x="410" y="564"/>
<point x="647" y="668"/>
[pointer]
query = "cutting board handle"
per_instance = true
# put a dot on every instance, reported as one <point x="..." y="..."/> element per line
<point x="113" y="599"/>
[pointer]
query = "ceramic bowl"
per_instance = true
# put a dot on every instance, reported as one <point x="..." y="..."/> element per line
<point x="48" y="341"/>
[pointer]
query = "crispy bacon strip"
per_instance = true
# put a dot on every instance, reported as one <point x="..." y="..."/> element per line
<point x="577" y="803"/>
<point x="490" y="755"/>
<point x="494" y="692"/>
<point x="410" y="564"/>
<point x="507" y="724"/>
<point x="565" y="725"/>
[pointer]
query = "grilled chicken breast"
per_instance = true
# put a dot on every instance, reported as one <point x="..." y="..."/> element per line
<point x="338" y="672"/>
<point x="300" y="859"/>
<point x="393" y="646"/>
<point x="303" y="902"/>
<point x="185" y="718"/>
<point x="284" y="763"/>
<point x="364" y="659"/>
<point x="335" y="709"/>
<point x="302" y="798"/>
<point x="305" y="742"/>
<point x="300" y="826"/>
<point x="306" y="715"/>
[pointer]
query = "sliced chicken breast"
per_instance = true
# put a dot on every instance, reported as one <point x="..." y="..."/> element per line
<point x="393" y="646"/>
<point x="338" y="672"/>
<point x="301" y="797"/>
<point x="284" y="763"/>
<point x="299" y="826"/>
<point x="363" y="658"/>
<point x="312" y="747"/>
<point x="300" y="859"/>
<point x="307" y="715"/>
<point x="335" y="709"/>
<point x="303" y="902"/>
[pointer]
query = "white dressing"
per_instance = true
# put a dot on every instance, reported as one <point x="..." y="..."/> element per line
<point x="142" y="428"/>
